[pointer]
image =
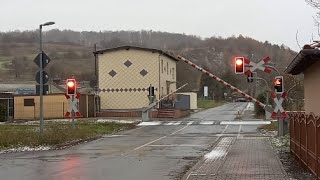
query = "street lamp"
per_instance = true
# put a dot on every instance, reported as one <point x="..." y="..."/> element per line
<point x="41" y="74"/>
<point x="272" y="67"/>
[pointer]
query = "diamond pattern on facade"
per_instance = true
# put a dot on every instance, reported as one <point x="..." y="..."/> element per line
<point x="112" y="73"/>
<point x="125" y="90"/>
<point x="143" y="72"/>
<point x="128" y="63"/>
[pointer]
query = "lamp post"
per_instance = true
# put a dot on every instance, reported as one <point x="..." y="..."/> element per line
<point x="272" y="67"/>
<point x="41" y="75"/>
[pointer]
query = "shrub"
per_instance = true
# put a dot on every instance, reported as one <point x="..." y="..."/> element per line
<point x="259" y="111"/>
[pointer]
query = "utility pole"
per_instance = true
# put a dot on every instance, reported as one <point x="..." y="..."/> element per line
<point x="95" y="64"/>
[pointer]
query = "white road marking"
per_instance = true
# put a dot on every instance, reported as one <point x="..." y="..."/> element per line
<point x="224" y="130"/>
<point x="206" y="122"/>
<point x="189" y="123"/>
<point x="239" y="131"/>
<point x="116" y="135"/>
<point x="149" y="143"/>
<point x="244" y="122"/>
<point x="151" y="123"/>
<point x="144" y="145"/>
<point x="179" y="130"/>
<point x="191" y="174"/>
<point x="177" y="123"/>
<point x="177" y="145"/>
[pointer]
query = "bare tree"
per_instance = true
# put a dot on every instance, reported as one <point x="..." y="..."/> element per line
<point x="315" y="4"/>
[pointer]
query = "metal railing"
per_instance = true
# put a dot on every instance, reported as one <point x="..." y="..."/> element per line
<point x="305" y="139"/>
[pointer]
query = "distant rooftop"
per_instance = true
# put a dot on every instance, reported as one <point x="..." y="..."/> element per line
<point x="170" y="55"/>
<point x="304" y="59"/>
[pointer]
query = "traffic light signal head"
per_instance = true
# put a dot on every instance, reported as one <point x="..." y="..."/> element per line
<point x="71" y="87"/>
<point x="278" y="84"/>
<point x="239" y="65"/>
<point x="250" y="77"/>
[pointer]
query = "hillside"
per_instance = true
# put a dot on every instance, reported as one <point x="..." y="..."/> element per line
<point x="71" y="53"/>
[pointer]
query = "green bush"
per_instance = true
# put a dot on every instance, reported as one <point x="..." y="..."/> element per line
<point x="259" y="111"/>
<point x="208" y="103"/>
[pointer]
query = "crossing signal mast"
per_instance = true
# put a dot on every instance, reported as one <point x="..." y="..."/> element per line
<point x="239" y="65"/>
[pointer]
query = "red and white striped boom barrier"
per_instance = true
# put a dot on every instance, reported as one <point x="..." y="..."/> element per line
<point x="250" y="98"/>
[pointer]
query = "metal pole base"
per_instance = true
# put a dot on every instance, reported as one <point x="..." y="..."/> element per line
<point x="145" y="115"/>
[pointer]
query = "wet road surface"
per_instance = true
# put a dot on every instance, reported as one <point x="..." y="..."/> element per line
<point x="148" y="152"/>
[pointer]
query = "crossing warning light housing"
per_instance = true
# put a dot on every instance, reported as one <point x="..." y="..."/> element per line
<point x="71" y="87"/>
<point x="239" y="65"/>
<point x="278" y="84"/>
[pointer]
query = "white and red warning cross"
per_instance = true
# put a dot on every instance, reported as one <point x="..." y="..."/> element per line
<point x="256" y="66"/>
<point x="279" y="107"/>
<point x="73" y="106"/>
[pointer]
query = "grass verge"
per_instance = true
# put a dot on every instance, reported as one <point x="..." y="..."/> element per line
<point x="207" y="103"/>
<point x="13" y="136"/>
<point x="273" y="126"/>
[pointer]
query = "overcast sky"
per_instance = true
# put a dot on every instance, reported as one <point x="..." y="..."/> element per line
<point x="276" y="21"/>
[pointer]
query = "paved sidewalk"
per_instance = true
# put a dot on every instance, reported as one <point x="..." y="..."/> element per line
<point x="240" y="158"/>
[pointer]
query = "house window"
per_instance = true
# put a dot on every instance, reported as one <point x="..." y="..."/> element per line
<point x="162" y="91"/>
<point x="28" y="102"/>
<point x="162" y="65"/>
<point x="173" y="73"/>
<point x="167" y="68"/>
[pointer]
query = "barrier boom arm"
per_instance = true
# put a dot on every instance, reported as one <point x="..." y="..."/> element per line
<point x="250" y="98"/>
<point x="155" y="103"/>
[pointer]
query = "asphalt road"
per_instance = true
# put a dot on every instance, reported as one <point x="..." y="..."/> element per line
<point x="155" y="152"/>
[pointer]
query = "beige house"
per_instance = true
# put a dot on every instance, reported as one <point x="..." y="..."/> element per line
<point x="125" y="73"/>
<point x="308" y="63"/>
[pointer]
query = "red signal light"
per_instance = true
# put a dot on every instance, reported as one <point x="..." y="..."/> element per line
<point x="71" y="86"/>
<point x="239" y="65"/>
<point x="239" y="62"/>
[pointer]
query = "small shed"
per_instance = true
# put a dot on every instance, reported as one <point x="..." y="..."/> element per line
<point x="26" y="107"/>
<point x="187" y="100"/>
<point x="307" y="62"/>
